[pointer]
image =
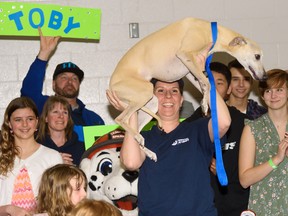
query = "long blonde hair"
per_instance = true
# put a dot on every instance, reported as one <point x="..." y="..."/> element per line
<point x="88" y="207"/>
<point x="52" y="196"/>
<point x="8" y="148"/>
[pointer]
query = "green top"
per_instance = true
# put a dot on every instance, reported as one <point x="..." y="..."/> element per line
<point x="270" y="195"/>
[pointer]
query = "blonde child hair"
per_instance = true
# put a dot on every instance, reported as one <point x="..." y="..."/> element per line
<point x="89" y="207"/>
<point x="55" y="189"/>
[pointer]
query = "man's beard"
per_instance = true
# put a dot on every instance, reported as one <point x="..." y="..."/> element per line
<point x="71" y="93"/>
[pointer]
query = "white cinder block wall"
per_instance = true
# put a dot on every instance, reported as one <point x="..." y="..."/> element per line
<point x="264" y="21"/>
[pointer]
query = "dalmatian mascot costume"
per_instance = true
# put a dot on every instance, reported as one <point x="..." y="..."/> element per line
<point x="107" y="179"/>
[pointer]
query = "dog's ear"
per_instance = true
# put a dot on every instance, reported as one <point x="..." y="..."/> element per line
<point x="85" y="165"/>
<point x="238" y="41"/>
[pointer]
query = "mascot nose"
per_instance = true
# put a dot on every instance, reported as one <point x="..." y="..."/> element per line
<point x="130" y="176"/>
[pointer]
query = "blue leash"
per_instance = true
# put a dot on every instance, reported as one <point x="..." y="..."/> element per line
<point x="221" y="173"/>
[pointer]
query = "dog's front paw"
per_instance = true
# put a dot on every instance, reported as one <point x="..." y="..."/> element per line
<point x="150" y="154"/>
<point x="204" y="107"/>
<point x="139" y="139"/>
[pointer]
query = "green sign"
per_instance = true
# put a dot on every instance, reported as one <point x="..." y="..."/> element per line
<point x="23" y="19"/>
<point x="91" y="133"/>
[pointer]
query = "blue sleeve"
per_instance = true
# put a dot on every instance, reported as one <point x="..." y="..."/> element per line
<point x="32" y="85"/>
<point x="79" y="130"/>
<point x="90" y="117"/>
<point x="203" y="131"/>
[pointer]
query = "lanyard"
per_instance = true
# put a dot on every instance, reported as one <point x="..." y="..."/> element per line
<point x="221" y="173"/>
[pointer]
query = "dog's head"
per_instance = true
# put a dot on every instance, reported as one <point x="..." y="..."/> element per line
<point x="107" y="179"/>
<point x="250" y="56"/>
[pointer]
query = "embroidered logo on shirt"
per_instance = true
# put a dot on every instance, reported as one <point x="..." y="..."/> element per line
<point x="229" y="146"/>
<point x="180" y="141"/>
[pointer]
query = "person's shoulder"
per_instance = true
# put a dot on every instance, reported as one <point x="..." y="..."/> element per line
<point x="255" y="104"/>
<point x="233" y="109"/>
<point x="48" y="152"/>
<point x="196" y="115"/>
<point x="235" y="113"/>
<point x="75" y="139"/>
<point x="48" y="156"/>
<point x="261" y="118"/>
<point x="91" y="115"/>
<point x="255" y="110"/>
<point x="252" y="101"/>
<point x="94" y="117"/>
<point x="256" y="121"/>
<point x="197" y="122"/>
<point x="91" y="112"/>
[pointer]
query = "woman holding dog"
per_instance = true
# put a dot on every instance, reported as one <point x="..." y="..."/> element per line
<point x="263" y="154"/>
<point x="179" y="182"/>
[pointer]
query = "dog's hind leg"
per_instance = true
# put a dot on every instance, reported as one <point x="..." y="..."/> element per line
<point x="137" y="136"/>
<point x="148" y="112"/>
<point x="123" y="121"/>
<point x="198" y="73"/>
<point x="194" y="81"/>
<point x="135" y="96"/>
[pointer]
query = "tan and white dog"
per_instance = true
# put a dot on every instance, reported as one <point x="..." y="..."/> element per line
<point x="168" y="55"/>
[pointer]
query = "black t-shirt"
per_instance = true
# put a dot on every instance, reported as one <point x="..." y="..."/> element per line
<point x="230" y="200"/>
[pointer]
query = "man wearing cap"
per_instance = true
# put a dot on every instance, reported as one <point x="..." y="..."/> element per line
<point x="67" y="78"/>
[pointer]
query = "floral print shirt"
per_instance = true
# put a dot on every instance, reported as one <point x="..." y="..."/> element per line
<point x="270" y="195"/>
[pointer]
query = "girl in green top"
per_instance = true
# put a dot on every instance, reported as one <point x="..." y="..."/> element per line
<point x="263" y="162"/>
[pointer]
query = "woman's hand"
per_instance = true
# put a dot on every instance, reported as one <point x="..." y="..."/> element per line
<point x="67" y="158"/>
<point x="115" y="101"/>
<point x="285" y="137"/>
<point x="213" y="166"/>
<point x="282" y="150"/>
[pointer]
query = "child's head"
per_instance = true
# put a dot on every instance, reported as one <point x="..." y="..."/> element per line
<point x="16" y="104"/>
<point x="21" y="112"/>
<point x="61" y="188"/>
<point x="95" y="208"/>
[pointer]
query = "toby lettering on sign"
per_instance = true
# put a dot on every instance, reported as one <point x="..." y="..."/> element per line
<point x="23" y="19"/>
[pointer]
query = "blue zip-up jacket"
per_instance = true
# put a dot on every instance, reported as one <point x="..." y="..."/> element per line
<point x="32" y="87"/>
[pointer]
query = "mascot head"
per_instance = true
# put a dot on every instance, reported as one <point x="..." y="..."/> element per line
<point x="107" y="178"/>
